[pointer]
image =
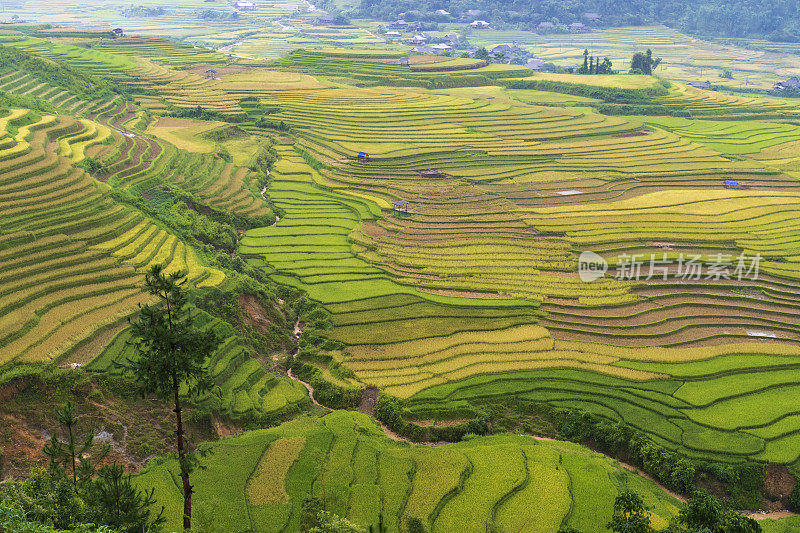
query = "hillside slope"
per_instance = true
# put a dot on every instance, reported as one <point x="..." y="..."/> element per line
<point x="257" y="481"/>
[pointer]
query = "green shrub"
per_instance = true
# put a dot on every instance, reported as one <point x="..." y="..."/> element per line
<point x="415" y="525"/>
<point x="327" y="393"/>
<point x="794" y="499"/>
<point x="639" y="109"/>
<point x="391" y="412"/>
<point x="203" y="114"/>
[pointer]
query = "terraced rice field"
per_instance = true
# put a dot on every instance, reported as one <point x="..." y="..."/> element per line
<point x="73" y="256"/>
<point x="181" y="20"/>
<point x="473" y="293"/>
<point x="345" y="459"/>
<point x="685" y="58"/>
<point x="69" y="252"/>
<point x="138" y="162"/>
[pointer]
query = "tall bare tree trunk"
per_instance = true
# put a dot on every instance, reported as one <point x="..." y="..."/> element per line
<point x="187" y="487"/>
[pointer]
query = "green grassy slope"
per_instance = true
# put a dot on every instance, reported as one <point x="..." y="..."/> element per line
<point x="346" y="460"/>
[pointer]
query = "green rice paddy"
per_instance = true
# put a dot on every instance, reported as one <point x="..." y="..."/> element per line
<point x="344" y="459"/>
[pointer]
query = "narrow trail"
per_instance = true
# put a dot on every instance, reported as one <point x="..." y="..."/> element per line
<point x="308" y="387"/>
<point x="770" y="515"/>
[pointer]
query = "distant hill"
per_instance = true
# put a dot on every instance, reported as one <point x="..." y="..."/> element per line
<point x="777" y="20"/>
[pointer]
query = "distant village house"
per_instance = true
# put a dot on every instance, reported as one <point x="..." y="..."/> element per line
<point x="791" y="83"/>
<point x="244" y="6"/>
<point x="700" y="84"/>
<point x="442" y="47"/>
<point x="505" y="49"/>
<point x="418" y="39"/>
<point x="479" y="24"/>
<point x="535" y="64"/>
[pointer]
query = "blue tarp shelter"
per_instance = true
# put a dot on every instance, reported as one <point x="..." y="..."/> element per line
<point x="363" y="155"/>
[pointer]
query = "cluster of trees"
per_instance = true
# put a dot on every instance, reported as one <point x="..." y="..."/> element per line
<point x="794" y="499"/>
<point x="325" y="392"/>
<point x="670" y="468"/>
<point x="644" y="63"/>
<point x="789" y="92"/>
<point x="143" y="11"/>
<point x="591" y="67"/>
<point x="193" y="222"/>
<point x="73" y="494"/>
<point x="391" y="412"/>
<point x="200" y="113"/>
<point x="212" y="14"/>
<point x="219" y="234"/>
<point x="703" y="513"/>
<point x="9" y="100"/>
<point x="777" y="20"/>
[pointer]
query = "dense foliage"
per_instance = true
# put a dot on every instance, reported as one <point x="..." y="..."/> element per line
<point x="794" y="499"/>
<point x="391" y="412"/>
<point x="326" y="392"/>
<point x="703" y="513"/>
<point x="776" y="20"/>
<point x="46" y="502"/>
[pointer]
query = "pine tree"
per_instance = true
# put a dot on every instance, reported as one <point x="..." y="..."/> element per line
<point x="172" y="353"/>
<point x="73" y="453"/>
<point x="119" y="504"/>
